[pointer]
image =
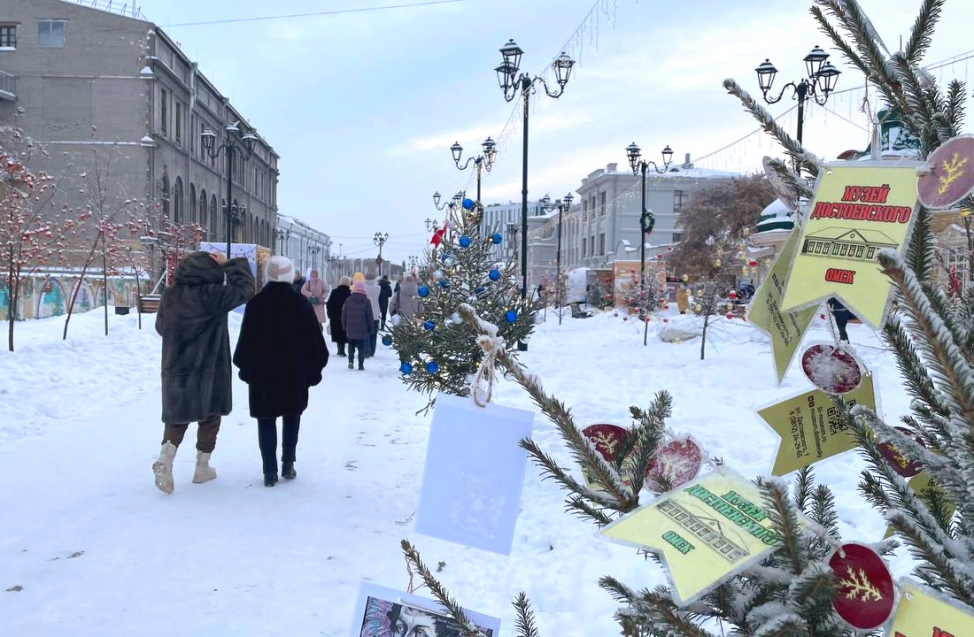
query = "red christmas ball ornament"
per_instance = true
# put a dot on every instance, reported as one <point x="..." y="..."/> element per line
<point x="752" y="263"/>
<point x="659" y="257"/>
<point x="821" y="316"/>
<point x="864" y="595"/>
<point x="625" y="318"/>
<point x="732" y="294"/>
<point x="666" y="320"/>
<point x="615" y="314"/>
<point x="666" y="307"/>
<point x="730" y="316"/>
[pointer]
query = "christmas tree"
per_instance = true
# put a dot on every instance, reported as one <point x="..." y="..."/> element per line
<point x="794" y="590"/>
<point x="437" y="350"/>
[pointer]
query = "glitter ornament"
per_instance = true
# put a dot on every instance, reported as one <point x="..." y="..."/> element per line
<point x="395" y="320"/>
<point x="438" y="274"/>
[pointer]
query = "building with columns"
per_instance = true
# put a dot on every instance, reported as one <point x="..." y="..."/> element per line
<point x="310" y="249"/>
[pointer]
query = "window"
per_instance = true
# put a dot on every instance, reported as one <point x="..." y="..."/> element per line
<point x="178" y="128"/>
<point x="583" y="246"/>
<point x="677" y="237"/>
<point x="164" y="112"/>
<point x="678" y="199"/>
<point x="8" y="37"/>
<point x="602" y="241"/>
<point x="50" y="33"/>
<point x="601" y="204"/>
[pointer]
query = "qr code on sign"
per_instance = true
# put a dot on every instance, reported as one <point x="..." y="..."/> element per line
<point x="837" y="419"/>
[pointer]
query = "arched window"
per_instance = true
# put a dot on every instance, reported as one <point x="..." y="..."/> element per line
<point x="215" y="227"/>
<point x="192" y="203"/>
<point x="165" y="196"/>
<point x="177" y="201"/>
<point x="204" y="218"/>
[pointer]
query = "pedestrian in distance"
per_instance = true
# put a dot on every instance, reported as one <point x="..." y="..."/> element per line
<point x="372" y="291"/>
<point x="280" y="353"/>
<point x="315" y="290"/>
<point x="196" y="371"/>
<point x="385" y="293"/>
<point x="334" y="304"/>
<point x="358" y="321"/>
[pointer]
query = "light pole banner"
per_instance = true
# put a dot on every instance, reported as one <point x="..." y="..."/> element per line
<point x="859" y="209"/>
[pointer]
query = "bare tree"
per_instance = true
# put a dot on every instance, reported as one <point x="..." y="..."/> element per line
<point x="32" y="227"/>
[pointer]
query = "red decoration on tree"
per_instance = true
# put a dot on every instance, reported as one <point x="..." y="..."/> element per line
<point x="606" y="439"/>
<point x="732" y="294"/>
<point x="730" y="316"/>
<point x="832" y="370"/>
<point x="675" y="463"/>
<point x="864" y="595"/>
<point x="752" y="263"/>
<point x="896" y="459"/>
<point x="438" y="236"/>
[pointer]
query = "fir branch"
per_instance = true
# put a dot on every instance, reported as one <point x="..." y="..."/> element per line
<point x="824" y="514"/>
<point x="922" y="34"/>
<point x="439" y="592"/>
<point x="804" y="159"/>
<point x="814" y="590"/>
<point x="580" y="506"/>
<point x="784" y="518"/>
<point x="796" y="184"/>
<point x="954" y="109"/>
<point x="804" y="483"/>
<point x="648" y="437"/>
<point x="559" y="475"/>
<point x="655" y="609"/>
<point x="524" y="624"/>
<point x="922" y="248"/>
<point x="911" y="367"/>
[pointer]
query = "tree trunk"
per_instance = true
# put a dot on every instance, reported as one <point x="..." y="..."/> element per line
<point x="104" y="278"/>
<point x="703" y="336"/>
<point x="74" y="297"/>
<point x="13" y="282"/>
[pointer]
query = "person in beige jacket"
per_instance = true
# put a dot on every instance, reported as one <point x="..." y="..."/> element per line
<point x="316" y="291"/>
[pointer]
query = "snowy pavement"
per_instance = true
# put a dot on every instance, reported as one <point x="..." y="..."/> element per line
<point x="96" y="549"/>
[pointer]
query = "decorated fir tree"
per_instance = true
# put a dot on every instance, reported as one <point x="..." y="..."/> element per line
<point x="805" y="586"/>
<point x="438" y="351"/>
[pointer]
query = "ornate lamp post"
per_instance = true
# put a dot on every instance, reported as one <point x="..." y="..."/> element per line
<point x="481" y="162"/>
<point x="822" y="76"/>
<point x="380" y="239"/>
<point x="563" y="209"/>
<point x="646" y="218"/>
<point x="313" y="251"/>
<point x="234" y="143"/>
<point x="512" y="84"/>
<point x="282" y="238"/>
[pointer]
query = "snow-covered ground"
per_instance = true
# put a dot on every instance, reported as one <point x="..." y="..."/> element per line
<point x="89" y="546"/>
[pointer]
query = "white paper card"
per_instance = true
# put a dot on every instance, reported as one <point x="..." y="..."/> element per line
<point x="474" y="474"/>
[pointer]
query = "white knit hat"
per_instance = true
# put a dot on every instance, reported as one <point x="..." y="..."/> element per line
<point x="279" y="269"/>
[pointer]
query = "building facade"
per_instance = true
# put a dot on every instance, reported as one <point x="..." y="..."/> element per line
<point x="93" y="87"/>
<point x="310" y="249"/>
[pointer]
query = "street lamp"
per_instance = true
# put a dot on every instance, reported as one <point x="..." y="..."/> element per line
<point x="646" y="218"/>
<point x="380" y="240"/>
<point x="233" y="143"/>
<point x="563" y="208"/>
<point x="432" y="224"/>
<point x="822" y="76"/>
<point x="282" y="237"/>
<point x="481" y="162"/>
<point x="313" y="251"/>
<point x="511" y="83"/>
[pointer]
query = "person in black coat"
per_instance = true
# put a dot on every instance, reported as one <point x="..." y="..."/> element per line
<point x="196" y="372"/>
<point x="299" y="282"/>
<point x="385" y="293"/>
<point x="333" y="308"/>
<point x="280" y="354"/>
<point x="842" y="317"/>
<point x="359" y="324"/>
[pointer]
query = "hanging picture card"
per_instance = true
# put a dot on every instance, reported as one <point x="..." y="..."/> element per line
<point x="474" y="473"/>
<point x="706" y="531"/>
<point x="924" y="613"/>
<point x="859" y="209"/>
<point x="384" y="612"/>
<point x="812" y="428"/>
<point x="785" y="329"/>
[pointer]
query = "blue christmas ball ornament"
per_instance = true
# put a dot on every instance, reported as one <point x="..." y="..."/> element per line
<point x="387" y="341"/>
<point x="445" y="257"/>
<point x="406" y="369"/>
<point x="511" y="316"/>
<point x="423" y="291"/>
<point x="429" y="325"/>
<point x="464" y="241"/>
<point x="467" y="203"/>
<point x="495" y="275"/>
<point x="432" y="367"/>
<point x="445" y="283"/>
<point x="480" y="291"/>
<point x="496" y="237"/>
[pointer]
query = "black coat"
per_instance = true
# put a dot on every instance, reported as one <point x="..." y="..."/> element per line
<point x="192" y="320"/>
<point x="385" y="291"/>
<point x="280" y="352"/>
<point x="333" y="307"/>
<point x="357" y="317"/>
<point x="298" y="284"/>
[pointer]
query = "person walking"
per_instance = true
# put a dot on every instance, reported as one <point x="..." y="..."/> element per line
<point x="683" y="299"/>
<point x="315" y="290"/>
<point x="406" y="301"/>
<point x="334" y="309"/>
<point x="196" y="372"/>
<point x="385" y="292"/>
<point x="842" y="317"/>
<point x="280" y="354"/>
<point x="299" y="282"/>
<point x="372" y="291"/>
<point x="358" y="321"/>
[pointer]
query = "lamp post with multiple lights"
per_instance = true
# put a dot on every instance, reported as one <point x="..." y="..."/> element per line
<point x="380" y="239"/>
<point x="563" y="207"/>
<point x="481" y="162"/>
<point x="234" y="143"/>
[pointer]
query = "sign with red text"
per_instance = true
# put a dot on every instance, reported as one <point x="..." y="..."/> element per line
<point x="859" y="209"/>
<point x="923" y="613"/>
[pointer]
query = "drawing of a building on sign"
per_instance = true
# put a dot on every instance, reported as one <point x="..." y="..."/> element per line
<point x="846" y="244"/>
<point x="706" y="528"/>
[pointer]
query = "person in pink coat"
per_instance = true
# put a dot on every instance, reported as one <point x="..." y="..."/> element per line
<point x="316" y="291"/>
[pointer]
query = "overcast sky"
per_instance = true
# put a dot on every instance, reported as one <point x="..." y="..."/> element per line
<point x="362" y="107"/>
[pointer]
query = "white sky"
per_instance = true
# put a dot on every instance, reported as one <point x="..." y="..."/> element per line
<point x="363" y="107"/>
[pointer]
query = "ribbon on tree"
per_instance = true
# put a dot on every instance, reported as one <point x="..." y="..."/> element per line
<point x="491" y="345"/>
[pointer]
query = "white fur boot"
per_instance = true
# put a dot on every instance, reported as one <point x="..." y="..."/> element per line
<point x="162" y="467"/>
<point x="204" y="471"/>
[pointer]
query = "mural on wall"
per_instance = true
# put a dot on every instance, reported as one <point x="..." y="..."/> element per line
<point x="50" y="302"/>
<point x="85" y="300"/>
